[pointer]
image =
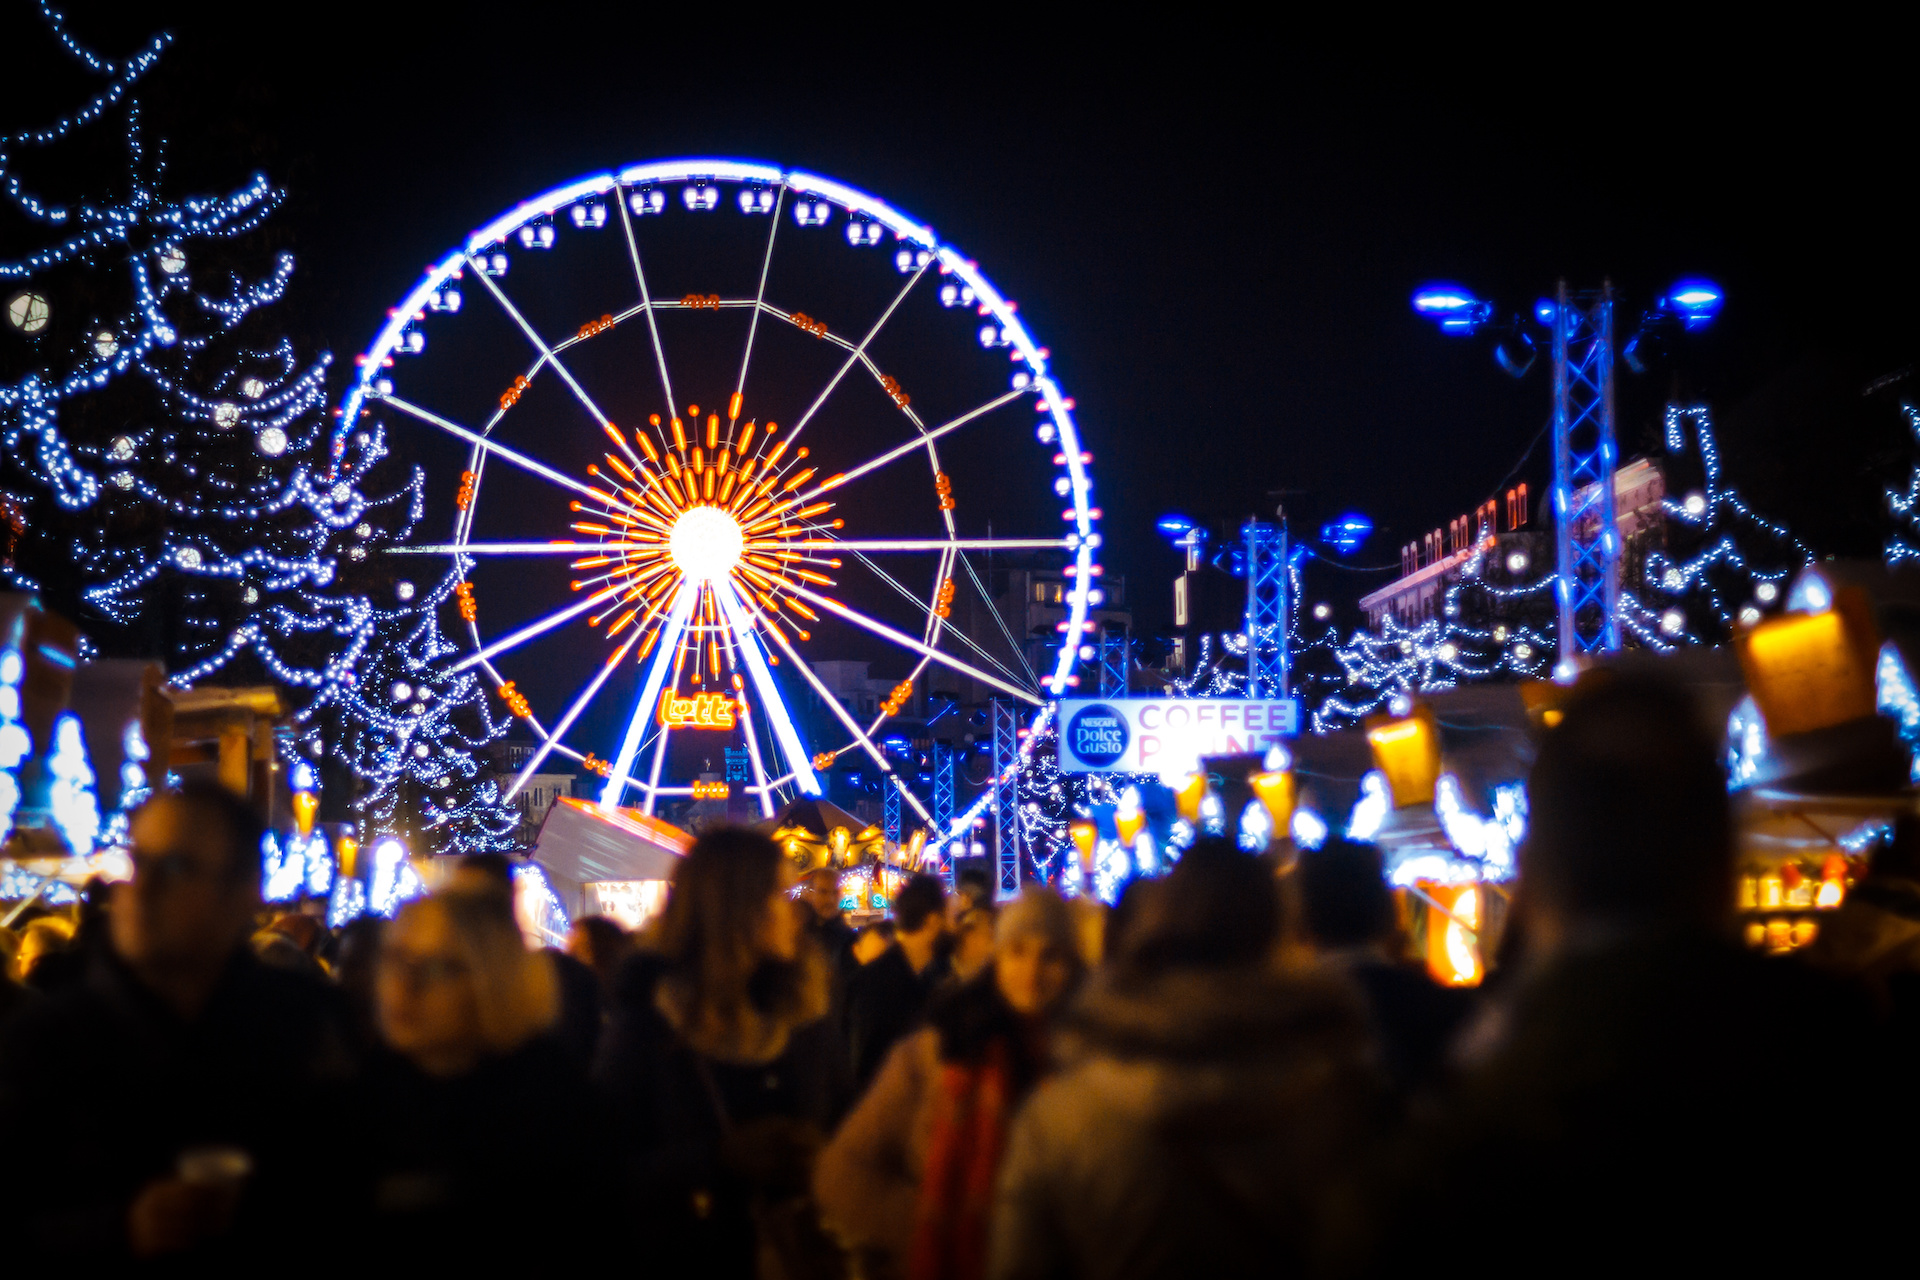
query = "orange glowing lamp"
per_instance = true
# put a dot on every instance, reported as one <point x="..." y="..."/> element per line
<point x="347" y="851"/>
<point x="1453" y="934"/>
<point x="1189" y="795"/>
<point x="916" y="847"/>
<point x="305" y="806"/>
<point x="1407" y="750"/>
<point x="1274" y="791"/>
<point x="1084" y="834"/>
<point x="1127" y="820"/>
<point x="1812" y="671"/>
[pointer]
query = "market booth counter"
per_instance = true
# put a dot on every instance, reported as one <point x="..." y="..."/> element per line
<point x="611" y="862"/>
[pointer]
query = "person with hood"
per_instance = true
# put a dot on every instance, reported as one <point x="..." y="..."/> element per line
<point x="725" y="1071"/>
<point x="908" y="1181"/>
<point x="1206" y="1098"/>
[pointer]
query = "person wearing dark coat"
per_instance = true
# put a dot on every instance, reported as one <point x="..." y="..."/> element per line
<point x="1645" y="1087"/>
<point x="157" y="1106"/>
<point x="1347" y="913"/>
<point x="1207" y="1100"/>
<point x="477" y="1134"/>
<point x="886" y="998"/>
<point x="724" y="1071"/>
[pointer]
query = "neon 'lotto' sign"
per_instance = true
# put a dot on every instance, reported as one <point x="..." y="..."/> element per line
<point x="1168" y="736"/>
<point x="701" y="711"/>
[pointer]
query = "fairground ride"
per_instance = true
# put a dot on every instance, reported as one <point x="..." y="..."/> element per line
<point x="575" y="339"/>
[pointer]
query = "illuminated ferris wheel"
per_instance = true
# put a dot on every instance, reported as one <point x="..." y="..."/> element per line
<point x="662" y="438"/>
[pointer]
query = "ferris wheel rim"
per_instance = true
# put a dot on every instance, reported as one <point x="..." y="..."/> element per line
<point x="1083" y="538"/>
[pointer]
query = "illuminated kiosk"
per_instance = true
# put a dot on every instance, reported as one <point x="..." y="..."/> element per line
<point x="584" y="330"/>
<point x="612" y="863"/>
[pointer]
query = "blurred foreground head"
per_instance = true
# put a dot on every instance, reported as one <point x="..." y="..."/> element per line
<point x="456" y="983"/>
<point x="1218" y="908"/>
<point x="196" y="881"/>
<point x="1344" y="900"/>
<point x="1629" y="821"/>
<point x="1035" y="960"/>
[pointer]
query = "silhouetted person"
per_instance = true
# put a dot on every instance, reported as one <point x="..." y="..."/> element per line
<point x="582" y="1002"/>
<point x="195" y="1072"/>
<point x="1874" y="936"/>
<point x="724" y="1070"/>
<point x="601" y="944"/>
<point x="909" y="1179"/>
<point x="887" y="997"/>
<point x="1205" y="1101"/>
<point x="1625" y="1101"/>
<point x="472" y="1098"/>
<point x="1348" y="914"/>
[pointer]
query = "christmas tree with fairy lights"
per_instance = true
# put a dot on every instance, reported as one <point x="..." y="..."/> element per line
<point x="172" y="479"/>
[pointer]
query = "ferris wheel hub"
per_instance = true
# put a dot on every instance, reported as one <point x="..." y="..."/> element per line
<point x="705" y="544"/>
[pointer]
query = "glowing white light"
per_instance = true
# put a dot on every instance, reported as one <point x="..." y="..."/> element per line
<point x="1672" y="580"/>
<point x="253" y="388"/>
<point x="272" y="442"/>
<point x="1309" y="831"/>
<point x="1256" y="827"/>
<point x="403" y="590"/>
<point x="1749" y="615"/>
<point x="402" y="691"/>
<point x="172" y="261"/>
<point x="75" y="811"/>
<point x="1766" y="593"/>
<point x="1276" y="760"/>
<point x="225" y="414"/>
<point x="363" y="530"/>
<point x="1517" y="562"/>
<point x="1370" y="810"/>
<point x="1323" y="611"/>
<point x="1810" y="594"/>
<point x="122" y="449"/>
<point x="1695" y="505"/>
<point x="1448" y="652"/>
<point x="122" y="479"/>
<point x="28" y="312"/>
<point x="187" y="558"/>
<point x="1523" y="651"/>
<point x="705" y="544"/>
<point x="1673" y="622"/>
<point x="105" y="344"/>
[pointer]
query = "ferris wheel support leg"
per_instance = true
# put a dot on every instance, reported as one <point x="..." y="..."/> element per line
<point x="783" y="730"/>
<point x="663" y="654"/>
<point x="653" y="774"/>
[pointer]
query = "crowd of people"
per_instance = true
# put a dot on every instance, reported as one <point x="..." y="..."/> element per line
<point x="1235" y="1071"/>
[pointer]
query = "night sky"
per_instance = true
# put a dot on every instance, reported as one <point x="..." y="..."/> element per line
<point x="1214" y="230"/>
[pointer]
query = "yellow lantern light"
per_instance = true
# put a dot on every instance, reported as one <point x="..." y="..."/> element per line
<point x="1274" y="791"/>
<point x="1812" y="671"/>
<point x="1453" y="941"/>
<point x="837" y="840"/>
<point x="916" y="847"/>
<point x="1127" y="820"/>
<point x="1189" y="795"/>
<point x="305" y="806"/>
<point x="1084" y="834"/>
<point x="1407" y="750"/>
<point x="348" y="851"/>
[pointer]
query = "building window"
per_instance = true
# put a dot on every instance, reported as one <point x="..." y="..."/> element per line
<point x="1039" y="593"/>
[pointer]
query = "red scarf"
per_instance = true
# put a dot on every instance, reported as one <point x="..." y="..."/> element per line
<point x="971" y="1113"/>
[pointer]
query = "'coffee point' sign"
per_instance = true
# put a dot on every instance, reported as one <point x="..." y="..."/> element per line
<point x="1168" y="736"/>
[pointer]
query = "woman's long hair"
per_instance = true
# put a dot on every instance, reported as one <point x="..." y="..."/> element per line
<point x="721" y="991"/>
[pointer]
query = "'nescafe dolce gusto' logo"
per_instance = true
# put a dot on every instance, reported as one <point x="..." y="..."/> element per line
<point x="1098" y="734"/>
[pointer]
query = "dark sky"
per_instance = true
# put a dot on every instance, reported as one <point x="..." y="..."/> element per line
<point x="1214" y="229"/>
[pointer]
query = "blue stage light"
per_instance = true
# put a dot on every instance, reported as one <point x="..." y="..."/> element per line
<point x="1347" y="533"/>
<point x="1695" y="301"/>
<point x="1440" y="299"/>
<point x="1177" y="527"/>
<point x="1544" y="311"/>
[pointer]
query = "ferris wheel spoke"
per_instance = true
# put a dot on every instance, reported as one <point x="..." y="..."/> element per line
<point x="920" y="544"/>
<point x="666" y="650"/>
<point x="782" y="724"/>
<point x="752" y="736"/>
<point x="512" y="548"/>
<point x="759" y="302"/>
<point x="859" y="351"/>
<point x="646" y="299"/>
<point x="535" y="629"/>
<point x="1012" y="643"/>
<point x="517" y="458"/>
<point x="900" y="638"/>
<point x="845" y="717"/>
<point x="547" y="355"/>
<point x="572" y="713"/>
<point x="935" y="621"/>
<point x="924" y="441"/>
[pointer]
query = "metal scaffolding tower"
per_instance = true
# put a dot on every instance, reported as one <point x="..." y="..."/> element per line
<point x="943" y="807"/>
<point x="1584" y="457"/>
<point x="890" y="787"/>
<point x="1006" y="798"/>
<point x="1113" y="664"/>
<point x="1266" y="609"/>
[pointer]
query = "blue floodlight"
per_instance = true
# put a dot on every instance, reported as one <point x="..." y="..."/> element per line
<point x="1453" y="308"/>
<point x="1347" y="533"/>
<point x="1178" y="527"/>
<point x="1514" y="353"/>
<point x="1544" y="310"/>
<point x="1695" y="301"/>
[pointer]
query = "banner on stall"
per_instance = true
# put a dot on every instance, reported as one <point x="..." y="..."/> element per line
<point x="1168" y="736"/>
